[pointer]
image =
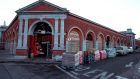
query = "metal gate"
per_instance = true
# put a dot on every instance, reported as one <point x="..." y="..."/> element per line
<point x="49" y="50"/>
<point x="9" y="47"/>
<point x="45" y="49"/>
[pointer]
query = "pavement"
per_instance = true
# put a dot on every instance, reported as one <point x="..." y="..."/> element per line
<point x="134" y="72"/>
<point x="5" y="75"/>
<point x="120" y="67"/>
<point x="30" y="71"/>
<point x="6" y="56"/>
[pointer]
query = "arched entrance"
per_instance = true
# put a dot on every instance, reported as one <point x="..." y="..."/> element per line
<point x="100" y="41"/>
<point x="118" y="42"/>
<point x="90" y="41"/>
<point x="74" y="40"/>
<point x="108" y="42"/>
<point x="122" y="42"/>
<point x="113" y="42"/>
<point x="13" y="43"/>
<point x="42" y="40"/>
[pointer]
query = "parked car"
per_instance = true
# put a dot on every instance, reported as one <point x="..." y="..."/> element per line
<point x="122" y="50"/>
<point x="111" y="52"/>
<point x="130" y="50"/>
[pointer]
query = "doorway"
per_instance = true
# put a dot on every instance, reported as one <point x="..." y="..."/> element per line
<point x="43" y="40"/>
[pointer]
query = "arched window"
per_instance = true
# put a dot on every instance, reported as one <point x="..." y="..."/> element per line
<point x="73" y="41"/>
<point x="89" y="41"/>
<point x="113" y="42"/>
<point x="100" y="41"/>
<point x="107" y="42"/>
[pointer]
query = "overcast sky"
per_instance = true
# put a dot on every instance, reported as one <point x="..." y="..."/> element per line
<point x="115" y="14"/>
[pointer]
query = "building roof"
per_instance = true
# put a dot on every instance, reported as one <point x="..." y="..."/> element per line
<point x="39" y="2"/>
<point x="126" y="32"/>
<point x="3" y="28"/>
<point x="95" y="23"/>
<point x="59" y="9"/>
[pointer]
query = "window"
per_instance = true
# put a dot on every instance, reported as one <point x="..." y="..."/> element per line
<point x="73" y="42"/>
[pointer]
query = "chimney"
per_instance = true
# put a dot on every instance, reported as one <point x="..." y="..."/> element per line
<point x="4" y="23"/>
<point x="129" y="30"/>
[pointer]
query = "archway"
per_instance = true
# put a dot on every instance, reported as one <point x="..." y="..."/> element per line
<point x="118" y="42"/>
<point x="90" y="41"/>
<point x="41" y="40"/>
<point x="108" y="42"/>
<point x="125" y="42"/>
<point x="13" y="42"/>
<point x="74" y="40"/>
<point x="113" y="42"/>
<point x="100" y="41"/>
<point x="122" y="44"/>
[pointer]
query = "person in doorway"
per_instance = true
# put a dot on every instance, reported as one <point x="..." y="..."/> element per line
<point x="29" y="53"/>
<point x="37" y="48"/>
<point x="86" y="57"/>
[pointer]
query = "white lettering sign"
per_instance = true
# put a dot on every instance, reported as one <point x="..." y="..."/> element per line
<point x="73" y="35"/>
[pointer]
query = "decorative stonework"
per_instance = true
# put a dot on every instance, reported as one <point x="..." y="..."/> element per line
<point x="62" y="17"/>
<point x="49" y="16"/>
<point x="41" y="0"/>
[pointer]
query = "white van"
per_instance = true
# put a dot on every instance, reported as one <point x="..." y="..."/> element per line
<point x="130" y="50"/>
<point x="122" y="50"/>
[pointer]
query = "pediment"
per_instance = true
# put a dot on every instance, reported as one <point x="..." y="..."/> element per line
<point x="41" y="6"/>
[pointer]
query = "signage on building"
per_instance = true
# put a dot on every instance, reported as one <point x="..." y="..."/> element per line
<point x="73" y="36"/>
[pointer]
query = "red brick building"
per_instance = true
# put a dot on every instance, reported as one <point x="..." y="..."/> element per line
<point x="137" y="43"/>
<point x="46" y="28"/>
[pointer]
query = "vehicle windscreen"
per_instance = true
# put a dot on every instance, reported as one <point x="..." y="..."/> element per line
<point x="119" y="48"/>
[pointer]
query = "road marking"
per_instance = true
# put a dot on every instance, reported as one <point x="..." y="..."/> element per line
<point x="91" y="72"/>
<point x="82" y="69"/>
<point x="103" y="75"/>
<point x="74" y="73"/>
<point x="67" y="72"/>
<point x="129" y="65"/>
<point x="119" y="77"/>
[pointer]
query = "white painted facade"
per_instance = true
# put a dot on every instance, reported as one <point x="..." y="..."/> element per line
<point x="23" y="44"/>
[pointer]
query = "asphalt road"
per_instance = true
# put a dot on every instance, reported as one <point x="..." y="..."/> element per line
<point x="121" y="67"/>
<point x="4" y="74"/>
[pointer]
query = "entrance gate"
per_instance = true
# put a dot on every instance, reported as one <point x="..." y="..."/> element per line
<point x="10" y="48"/>
<point x="44" y="46"/>
<point x="42" y="40"/>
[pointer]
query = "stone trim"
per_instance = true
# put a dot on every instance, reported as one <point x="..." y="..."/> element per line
<point x="20" y="33"/>
<point x="62" y="35"/>
<point x="49" y="16"/>
<point x="25" y="34"/>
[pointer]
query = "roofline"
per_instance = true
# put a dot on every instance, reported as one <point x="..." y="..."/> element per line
<point x="30" y="5"/>
<point x="11" y="22"/>
<point x="26" y="6"/>
<point x="77" y="17"/>
<point x="65" y="10"/>
<point x="41" y="12"/>
<point x="94" y="22"/>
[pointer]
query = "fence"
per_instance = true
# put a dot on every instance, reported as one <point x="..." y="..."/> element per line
<point x="9" y="47"/>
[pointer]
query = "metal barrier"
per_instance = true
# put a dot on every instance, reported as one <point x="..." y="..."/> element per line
<point x="8" y="47"/>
